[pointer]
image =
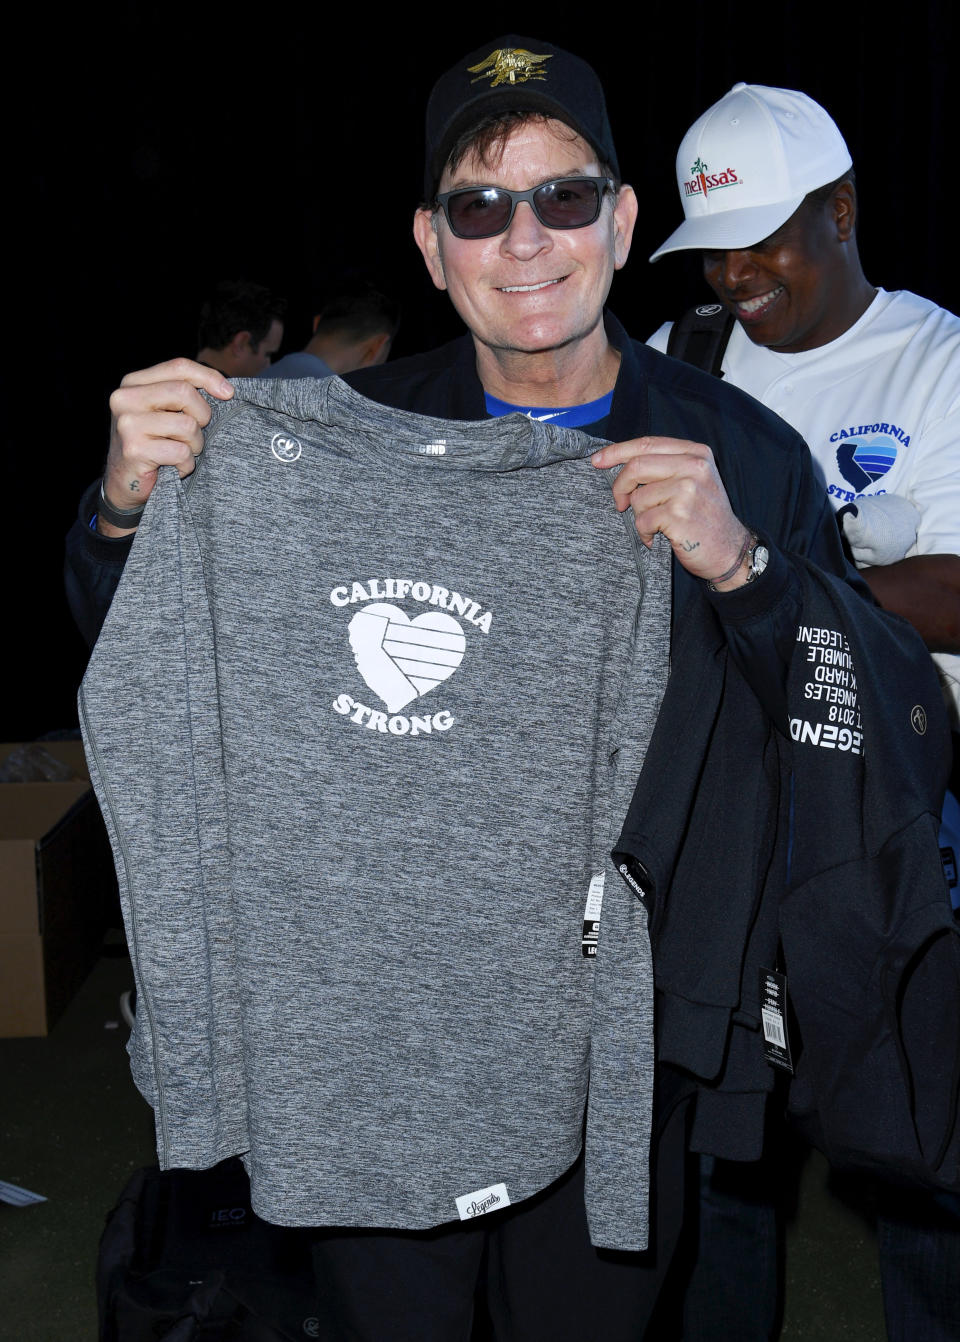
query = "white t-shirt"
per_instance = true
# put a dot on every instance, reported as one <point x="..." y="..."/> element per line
<point x="880" y="410"/>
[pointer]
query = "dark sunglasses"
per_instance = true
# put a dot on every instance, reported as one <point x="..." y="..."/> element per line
<point x="485" y="211"/>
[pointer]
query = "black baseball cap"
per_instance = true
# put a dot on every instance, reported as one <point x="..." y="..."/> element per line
<point x="515" y="74"/>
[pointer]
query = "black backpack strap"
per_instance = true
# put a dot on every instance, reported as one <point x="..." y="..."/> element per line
<point x="700" y="337"/>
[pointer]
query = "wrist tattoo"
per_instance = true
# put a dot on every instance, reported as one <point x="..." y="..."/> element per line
<point x="134" y="486"/>
<point x="690" y="545"/>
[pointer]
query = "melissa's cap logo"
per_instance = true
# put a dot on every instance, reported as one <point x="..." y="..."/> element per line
<point x="703" y="181"/>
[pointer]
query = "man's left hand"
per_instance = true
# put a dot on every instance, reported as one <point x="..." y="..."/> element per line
<point x="673" y="486"/>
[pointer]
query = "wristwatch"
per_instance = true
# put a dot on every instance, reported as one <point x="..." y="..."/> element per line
<point x="759" y="557"/>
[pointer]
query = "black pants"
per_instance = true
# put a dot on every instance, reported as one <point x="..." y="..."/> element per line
<point x="538" y="1274"/>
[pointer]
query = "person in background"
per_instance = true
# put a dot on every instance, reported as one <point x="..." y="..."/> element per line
<point x="871" y="380"/>
<point x="354" y="329"/>
<point x="241" y="328"/>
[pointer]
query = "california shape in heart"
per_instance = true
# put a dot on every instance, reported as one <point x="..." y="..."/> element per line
<point x="401" y="659"/>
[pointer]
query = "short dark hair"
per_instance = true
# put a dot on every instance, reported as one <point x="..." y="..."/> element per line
<point x="487" y="139"/>
<point x="238" y="305"/>
<point x="359" y="312"/>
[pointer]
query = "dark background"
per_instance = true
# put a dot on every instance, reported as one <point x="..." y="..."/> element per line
<point x="162" y="150"/>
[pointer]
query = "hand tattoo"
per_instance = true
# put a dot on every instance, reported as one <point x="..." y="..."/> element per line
<point x="134" y="486"/>
<point x="690" y="545"/>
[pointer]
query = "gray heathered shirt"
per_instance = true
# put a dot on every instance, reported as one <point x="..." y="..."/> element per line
<point x="364" y="720"/>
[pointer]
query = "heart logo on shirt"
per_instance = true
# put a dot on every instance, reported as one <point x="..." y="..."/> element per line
<point x="401" y="659"/>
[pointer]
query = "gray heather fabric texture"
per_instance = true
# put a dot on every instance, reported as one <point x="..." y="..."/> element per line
<point x="364" y="720"/>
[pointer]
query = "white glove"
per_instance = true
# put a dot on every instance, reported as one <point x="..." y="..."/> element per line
<point x="879" y="528"/>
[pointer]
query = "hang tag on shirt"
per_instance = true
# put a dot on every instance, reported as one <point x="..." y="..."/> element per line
<point x="773" y="1013"/>
<point x="591" y="916"/>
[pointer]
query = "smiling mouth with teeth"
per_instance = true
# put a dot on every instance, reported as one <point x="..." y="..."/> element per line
<point x="529" y="288"/>
<point x="752" y="306"/>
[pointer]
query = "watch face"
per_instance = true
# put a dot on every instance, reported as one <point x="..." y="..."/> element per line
<point x="759" y="559"/>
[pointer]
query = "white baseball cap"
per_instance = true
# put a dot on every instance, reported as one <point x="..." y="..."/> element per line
<point x="747" y="163"/>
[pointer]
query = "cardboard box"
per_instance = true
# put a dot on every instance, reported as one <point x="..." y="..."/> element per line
<point x="57" y="888"/>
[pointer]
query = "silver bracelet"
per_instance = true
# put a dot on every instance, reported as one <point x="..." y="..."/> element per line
<point x="118" y="517"/>
<point x="748" y="540"/>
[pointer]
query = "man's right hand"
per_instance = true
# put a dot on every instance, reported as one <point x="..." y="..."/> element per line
<point x="158" y="418"/>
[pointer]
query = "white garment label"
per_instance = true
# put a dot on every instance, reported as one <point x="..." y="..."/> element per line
<point x="595" y="896"/>
<point x="591" y="916"/>
<point x="484" y="1200"/>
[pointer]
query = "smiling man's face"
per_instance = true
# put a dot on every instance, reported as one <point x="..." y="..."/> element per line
<point x="530" y="289"/>
<point x="787" y="291"/>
